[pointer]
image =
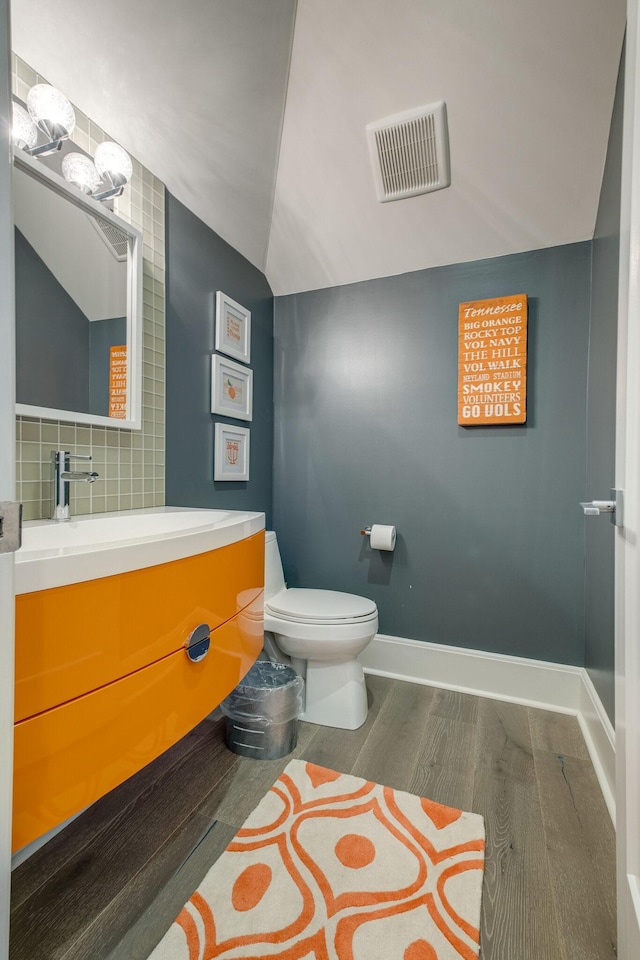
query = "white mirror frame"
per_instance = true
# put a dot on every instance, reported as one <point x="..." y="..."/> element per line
<point x="133" y="421"/>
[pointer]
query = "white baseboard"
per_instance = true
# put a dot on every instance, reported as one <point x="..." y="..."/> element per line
<point x="533" y="683"/>
<point x="600" y="738"/>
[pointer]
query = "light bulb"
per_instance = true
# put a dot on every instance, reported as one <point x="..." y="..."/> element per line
<point x="113" y="163"/>
<point x="24" y="132"/>
<point x="80" y="170"/>
<point x="51" y="110"/>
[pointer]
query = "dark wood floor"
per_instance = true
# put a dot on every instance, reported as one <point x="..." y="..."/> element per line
<point x="108" y="887"/>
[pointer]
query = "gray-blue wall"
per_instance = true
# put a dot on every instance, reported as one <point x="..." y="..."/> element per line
<point x="52" y="337"/>
<point x="491" y="547"/>
<point x="199" y="263"/>
<point x="490" y="551"/>
<point x="601" y="418"/>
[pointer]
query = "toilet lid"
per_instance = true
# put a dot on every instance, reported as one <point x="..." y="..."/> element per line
<point x="317" y="605"/>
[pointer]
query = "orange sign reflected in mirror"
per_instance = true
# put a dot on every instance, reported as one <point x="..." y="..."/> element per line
<point x="118" y="382"/>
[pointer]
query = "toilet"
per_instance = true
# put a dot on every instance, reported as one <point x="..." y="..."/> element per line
<point x="322" y="631"/>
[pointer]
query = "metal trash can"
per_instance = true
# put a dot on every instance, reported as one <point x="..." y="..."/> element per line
<point x="262" y="712"/>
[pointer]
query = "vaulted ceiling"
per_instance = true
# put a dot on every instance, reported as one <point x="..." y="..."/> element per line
<point x="253" y="113"/>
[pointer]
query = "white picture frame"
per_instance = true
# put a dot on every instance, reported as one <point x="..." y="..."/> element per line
<point x="231" y="388"/>
<point x="231" y="452"/>
<point x="233" y="328"/>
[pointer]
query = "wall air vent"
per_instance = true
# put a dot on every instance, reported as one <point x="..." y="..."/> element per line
<point x="410" y="152"/>
<point x="114" y="239"/>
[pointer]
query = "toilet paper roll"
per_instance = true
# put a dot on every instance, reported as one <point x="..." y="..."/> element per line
<point x="382" y="537"/>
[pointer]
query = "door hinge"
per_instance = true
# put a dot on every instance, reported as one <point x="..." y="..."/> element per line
<point x="10" y="526"/>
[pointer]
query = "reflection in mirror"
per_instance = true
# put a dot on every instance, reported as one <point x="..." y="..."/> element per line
<point x="77" y="329"/>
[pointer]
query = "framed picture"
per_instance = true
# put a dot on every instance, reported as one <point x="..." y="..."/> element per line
<point x="231" y="388"/>
<point x="231" y="456"/>
<point x="233" y="328"/>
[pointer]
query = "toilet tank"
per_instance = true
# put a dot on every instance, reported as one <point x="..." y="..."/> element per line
<point x="273" y="573"/>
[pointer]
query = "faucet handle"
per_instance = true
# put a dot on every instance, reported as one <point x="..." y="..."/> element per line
<point x="59" y="455"/>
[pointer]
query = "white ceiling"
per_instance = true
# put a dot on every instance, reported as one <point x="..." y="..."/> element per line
<point x="196" y="91"/>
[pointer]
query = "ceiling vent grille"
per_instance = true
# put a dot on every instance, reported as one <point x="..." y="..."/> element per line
<point x="410" y="152"/>
<point x="115" y="240"/>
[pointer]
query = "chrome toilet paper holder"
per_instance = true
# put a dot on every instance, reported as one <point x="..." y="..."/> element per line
<point x="382" y="536"/>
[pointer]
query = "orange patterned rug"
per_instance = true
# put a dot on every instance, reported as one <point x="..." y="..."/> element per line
<point x="332" y="867"/>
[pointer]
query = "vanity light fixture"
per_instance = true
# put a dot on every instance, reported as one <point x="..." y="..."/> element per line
<point x="112" y="170"/>
<point x="114" y="167"/>
<point x="49" y="111"/>
<point x="80" y="170"/>
<point x="24" y="132"/>
<point x="53" y="115"/>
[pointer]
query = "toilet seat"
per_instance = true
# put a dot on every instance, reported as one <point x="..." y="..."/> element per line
<point x="321" y="607"/>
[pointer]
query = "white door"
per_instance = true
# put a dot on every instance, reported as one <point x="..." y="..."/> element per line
<point x="7" y="482"/>
<point x="628" y="537"/>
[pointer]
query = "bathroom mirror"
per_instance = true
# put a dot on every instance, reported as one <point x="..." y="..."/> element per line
<point x="78" y="274"/>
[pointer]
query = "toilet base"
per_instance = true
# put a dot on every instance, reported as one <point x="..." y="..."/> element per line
<point x="335" y="692"/>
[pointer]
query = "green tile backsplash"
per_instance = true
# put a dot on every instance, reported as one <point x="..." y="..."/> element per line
<point x="130" y="463"/>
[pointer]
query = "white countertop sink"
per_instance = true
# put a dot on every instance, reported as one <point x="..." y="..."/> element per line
<point x="55" y="553"/>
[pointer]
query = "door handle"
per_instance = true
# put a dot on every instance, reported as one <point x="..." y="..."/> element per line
<point x="615" y="507"/>
<point x="10" y="526"/>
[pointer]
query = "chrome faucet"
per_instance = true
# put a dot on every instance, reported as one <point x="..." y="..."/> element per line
<point x="62" y="477"/>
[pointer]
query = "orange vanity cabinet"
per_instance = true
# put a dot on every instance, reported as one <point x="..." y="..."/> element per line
<point x="103" y="681"/>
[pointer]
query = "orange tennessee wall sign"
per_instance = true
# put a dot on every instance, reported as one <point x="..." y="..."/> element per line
<point x="118" y="382"/>
<point x="492" y="361"/>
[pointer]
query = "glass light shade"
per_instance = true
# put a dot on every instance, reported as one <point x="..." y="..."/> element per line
<point x="80" y="170"/>
<point x="51" y="111"/>
<point x="113" y="163"/>
<point x="24" y="132"/>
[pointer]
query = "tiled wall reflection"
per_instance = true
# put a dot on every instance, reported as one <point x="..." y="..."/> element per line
<point x="130" y="462"/>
